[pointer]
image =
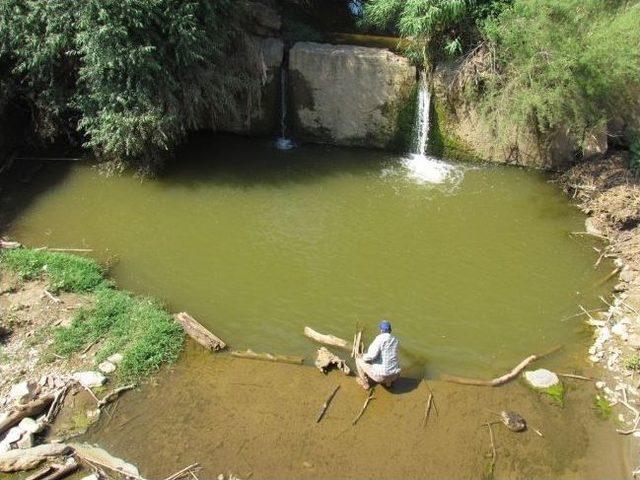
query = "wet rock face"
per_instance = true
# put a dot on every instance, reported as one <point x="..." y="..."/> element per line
<point x="348" y="95"/>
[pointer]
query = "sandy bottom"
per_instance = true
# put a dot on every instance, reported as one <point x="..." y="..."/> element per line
<point x="257" y="419"/>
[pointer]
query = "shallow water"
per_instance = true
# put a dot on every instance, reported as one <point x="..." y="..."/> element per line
<point x="475" y="271"/>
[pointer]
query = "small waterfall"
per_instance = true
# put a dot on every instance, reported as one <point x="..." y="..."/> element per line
<point x="423" y="168"/>
<point x="283" y="143"/>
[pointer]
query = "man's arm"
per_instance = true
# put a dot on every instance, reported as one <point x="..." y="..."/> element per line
<point x="373" y="351"/>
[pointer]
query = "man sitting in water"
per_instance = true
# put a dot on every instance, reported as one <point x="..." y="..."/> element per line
<point x="380" y="363"/>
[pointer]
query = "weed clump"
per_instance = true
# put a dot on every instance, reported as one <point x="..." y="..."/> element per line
<point x="137" y="327"/>
<point x="64" y="272"/>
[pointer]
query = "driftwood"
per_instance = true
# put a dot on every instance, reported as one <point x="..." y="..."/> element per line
<point x="496" y="382"/>
<point x="326" y="403"/>
<point x="113" y="395"/>
<point x="326" y="339"/>
<point x="43" y="472"/>
<point x="325" y="360"/>
<point x="183" y="472"/>
<point x="61" y="471"/>
<point x="58" y="400"/>
<point x="357" y="348"/>
<point x="97" y="456"/>
<point x="199" y="333"/>
<point x="577" y="377"/>
<point x="268" y="357"/>
<point x="26" y="459"/>
<point x="364" y="407"/>
<point x="9" y="245"/>
<point x="31" y="409"/>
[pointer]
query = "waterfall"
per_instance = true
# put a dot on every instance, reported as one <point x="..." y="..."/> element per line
<point x="423" y="120"/>
<point x="423" y="168"/>
<point x="283" y="143"/>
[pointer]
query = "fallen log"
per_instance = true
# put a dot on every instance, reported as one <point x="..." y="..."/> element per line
<point x="199" y="333"/>
<point x="30" y="458"/>
<point x="496" y="382"/>
<point x="326" y="339"/>
<point x="97" y="456"/>
<point x="31" y="409"/>
<point x="9" y="245"/>
<point x="268" y="357"/>
<point x="326" y="403"/>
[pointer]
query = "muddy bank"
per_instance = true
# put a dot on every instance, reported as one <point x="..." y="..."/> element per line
<point x="255" y="418"/>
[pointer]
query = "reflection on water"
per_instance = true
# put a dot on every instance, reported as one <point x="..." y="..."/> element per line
<point x="257" y="243"/>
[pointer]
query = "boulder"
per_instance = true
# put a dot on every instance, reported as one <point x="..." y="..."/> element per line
<point x="23" y="392"/>
<point x="13" y="435"/>
<point x="264" y="18"/>
<point x="90" y="379"/>
<point x="541" y="379"/>
<point x="107" y="367"/>
<point x="26" y="441"/>
<point x="349" y="95"/>
<point x="19" y="460"/>
<point x="30" y="425"/>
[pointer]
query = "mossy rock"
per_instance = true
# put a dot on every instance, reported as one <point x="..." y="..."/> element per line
<point x="545" y="382"/>
<point x="442" y="141"/>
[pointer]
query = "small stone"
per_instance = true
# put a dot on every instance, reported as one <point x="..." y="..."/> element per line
<point x="116" y="358"/>
<point x="90" y="379"/>
<point x="24" y="391"/>
<point x="619" y="329"/>
<point x="44" y="380"/>
<point x="93" y="414"/>
<point x="13" y="435"/>
<point x="541" y="378"/>
<point x="636" y="434"/>
<point x="93" y="476"/>
<point x="307" y="464"/>
<point x="26" y="441"/>
<point x="107" y="367"/>
<point x="590" y="227"/>
<point x="29" y="425"/>
<point x="600" y="385"/>
<point x="618" y="262"/>
<point x="221" y="476"/>
<point x="627" y="275"/>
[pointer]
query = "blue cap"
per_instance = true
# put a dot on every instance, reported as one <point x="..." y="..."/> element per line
<point x="385" y="326"/>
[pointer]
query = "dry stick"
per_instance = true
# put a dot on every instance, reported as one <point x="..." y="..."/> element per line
<point x="590" y="235"/>
<point x="577" y="377"/>
<point x="326" y="404"/>
<point x="427" y="410"/>
<point x="364" y="407"/>
<point x="63" y="471"/>
<point x="53" y="298"/>
<point x="88" y="347"/>
<point x="95" y="463"/>
<point x="494" y="454"/>
<point x="58" y="400"/>
<point x="613" y="273"/>
<point x="92" y="394"/>
<point x="40" y="473"/>
<point x="182" y="472"/>
<point x="110" y="397"/>
<point x="503" y="379"/>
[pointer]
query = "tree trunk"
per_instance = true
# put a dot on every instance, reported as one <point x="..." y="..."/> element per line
<point x="327" y="339"/>
<point x="199" y="333"/>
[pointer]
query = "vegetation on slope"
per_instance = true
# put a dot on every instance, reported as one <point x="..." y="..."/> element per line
<point x="137" y="327"/>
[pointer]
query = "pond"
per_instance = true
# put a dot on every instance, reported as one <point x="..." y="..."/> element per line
<point x="474" y="272"/>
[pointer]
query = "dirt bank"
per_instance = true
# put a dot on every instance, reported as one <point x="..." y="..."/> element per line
<point x="249" y="417"/>
<point x="610" y="195"/>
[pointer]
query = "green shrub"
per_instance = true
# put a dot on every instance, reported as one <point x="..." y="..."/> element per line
<point x="138" y="327"/>
<point x="602" y="407"/>
<point x="71" y="273"/>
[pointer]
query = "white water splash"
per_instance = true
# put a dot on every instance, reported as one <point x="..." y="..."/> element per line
<point x="422" y="168"/>
<point x="283" y="143"/>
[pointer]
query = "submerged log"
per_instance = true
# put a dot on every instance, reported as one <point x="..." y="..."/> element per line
<point x="97" y="456"/>
<point x="31" y="409"/>
<point x="268" y="357"/>
<point x="496" y="382"/>
<point x="199" y="333"/>
<point x="326" y="339"/>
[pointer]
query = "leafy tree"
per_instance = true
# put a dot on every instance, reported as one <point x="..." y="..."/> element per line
<point x="130" y="76"/>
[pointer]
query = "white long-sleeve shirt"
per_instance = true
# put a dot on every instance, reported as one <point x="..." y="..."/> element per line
<point x="383" y="355"/>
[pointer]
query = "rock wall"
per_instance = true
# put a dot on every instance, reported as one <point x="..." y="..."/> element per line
<point x="262" y="118"/>
<point x="348" y="95"/>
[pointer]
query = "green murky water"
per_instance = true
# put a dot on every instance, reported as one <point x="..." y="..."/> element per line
<point x="474" y="273"/>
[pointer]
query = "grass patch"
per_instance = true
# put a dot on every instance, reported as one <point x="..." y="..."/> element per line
<point x="602" y="407"/>
<point x="63" y="271"/>
<point x="632" y="362"/>
<point x="556" y="392"/>
<point x="137" y="327"/>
